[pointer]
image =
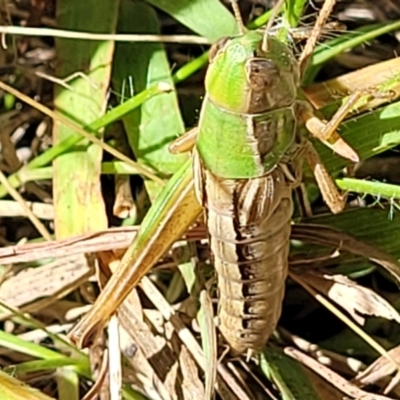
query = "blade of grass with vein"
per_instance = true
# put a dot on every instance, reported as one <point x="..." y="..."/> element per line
<point x="332" y="48"/>
<point x="45" y="173"/>
<point x="42" y="364"/>
<point x="12" y="342"/>
<point x="76" y="183"/>
<point x="157" y="122"/>
<point x="216" y="21"/>
<point x="373" y="226"/>
<point x="287" y="375"/>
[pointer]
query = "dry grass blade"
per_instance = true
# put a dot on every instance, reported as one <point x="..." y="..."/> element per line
<point x="151" y="359"/>
<point x="315" y="34"/>
<point x="109" y="239"/>
<point x="192" y="386"/>
<point x="190" y="342"/>
<point x="343" y="317"/>
<point x="66" y="34"/>
<point x="115" y="360"/>
<point x="342" y="364"/>
<point x="379" y="371"/>
<point x="140" y="369"/>
<point x="124" y="204"/>
<point x="96" y="390"/>
<point x="33" y="289"/>
<point x="115" y="238"/>
<point x="9" y="208"/>
<point x="160" y="359"/>
<point x="379" y="77"/>
<point x="336" y="380"/>
<point x="209" y="341"/>
<point x="357" y="300"/>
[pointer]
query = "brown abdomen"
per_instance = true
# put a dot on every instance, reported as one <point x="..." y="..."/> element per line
<point x="249" y="227"/>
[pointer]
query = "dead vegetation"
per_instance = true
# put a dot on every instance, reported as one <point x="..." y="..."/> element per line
<point x="69" y="208"/>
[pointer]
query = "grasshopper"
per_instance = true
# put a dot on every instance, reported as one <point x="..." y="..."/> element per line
<point x="245" y="187"/>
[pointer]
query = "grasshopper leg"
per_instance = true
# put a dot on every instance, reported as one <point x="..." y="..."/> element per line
<point x="326" y="131"/>
<point x="184" y="143"/>
<point x="331" y="195"/>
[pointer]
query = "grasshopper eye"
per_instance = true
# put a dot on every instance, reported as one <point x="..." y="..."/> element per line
<point x="216" y="47"/>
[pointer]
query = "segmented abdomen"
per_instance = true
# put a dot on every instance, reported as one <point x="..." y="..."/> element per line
<point x="249" y="227"/>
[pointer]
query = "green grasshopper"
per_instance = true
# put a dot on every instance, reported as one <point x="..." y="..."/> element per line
<point x="245" y="187"/>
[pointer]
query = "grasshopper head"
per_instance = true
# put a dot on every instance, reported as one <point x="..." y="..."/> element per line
<point x="244" y="78"/>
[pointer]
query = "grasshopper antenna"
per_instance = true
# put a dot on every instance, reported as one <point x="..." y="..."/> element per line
<point x="274" y="12"/>
<point x="315" y="34"/>
<point x="238" y="17"/>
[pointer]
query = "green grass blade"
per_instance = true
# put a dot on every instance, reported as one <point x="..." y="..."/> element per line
<point x="376" y="226"/>
<point x="288" y="375"/>
<point x="293" y="11"/>
<point x="216" y="21"/>
<point x="44" y="364"/>
<point x="373" y="188"/>
<point x="12" y="342"/>
<point x="333" y="48"/>
<point x="327" y="51"/>
<point x="76" y="181"/>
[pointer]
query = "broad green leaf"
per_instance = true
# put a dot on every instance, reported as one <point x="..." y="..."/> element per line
<point x="157" y="122"/>
<point x="288" y="375"/>
<point x="76" y="181"/>
<point x="215" y="20"/>
<point x="373" y="225"/>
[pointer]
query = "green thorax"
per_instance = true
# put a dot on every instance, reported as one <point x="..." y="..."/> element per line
<point x="247" y="122"/>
